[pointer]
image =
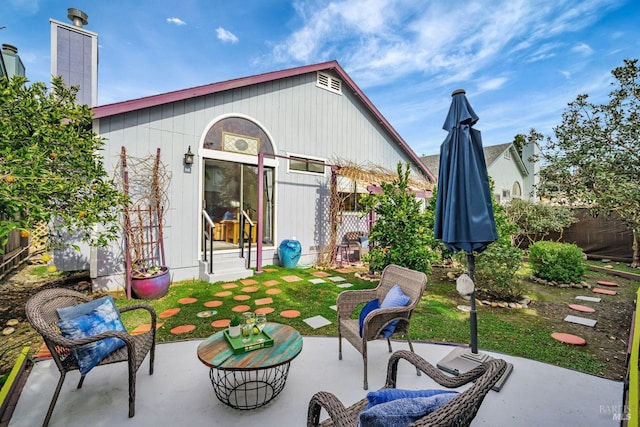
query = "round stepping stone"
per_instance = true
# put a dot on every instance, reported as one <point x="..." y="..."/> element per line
<point x="290" y="314"/>
<point x="265" y="310"/>
<point x="224" y="294"/>
<point x="12" y="322"/>
<point x="568" y="338"/>
<point x="222" y="323"/>
<point x="241" y="297"/>
<point x="250" y="289"/>
<point x="207" y="313"/>
<point x="213" y="303"/>
<point x="182" y="329"/>
<point x="273" y="291"/>
<point x="169" y="313"/>
<point x="582" y="308"/>
<point x="187" y="300"/>
<point x="604" y="291"/>
<point x="8" y="330"/>
<point x="605" y="283"/>
<point x="241" y="308"/>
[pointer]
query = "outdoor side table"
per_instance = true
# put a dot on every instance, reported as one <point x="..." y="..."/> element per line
<point x="253" y="379"/>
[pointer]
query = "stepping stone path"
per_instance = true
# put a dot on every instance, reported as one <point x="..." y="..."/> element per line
<point x="568" y="338"/>
<point x="223" y="294"/>
<point x="271" y="270"/>
<point x="317" y="281"/>
<point x="337" y="279"/>
<point x="182" y="329"/>
<point x="265" y="310"/>
<point x="604" y="291"/>
<point x="581" y="321"/>
<point x="222" y="323"/>
<point x="169" y="313"/>
<point x="187" y="300"/>
<point x="145" y="327"/>
<point x="271" y="283"/>
<point x="290" y="314"/>
<point x="241" y="297"/>
<point x="291" y="279"/>
<point x="605" y="283"/>
<point x="334" y="307"/>
<point x="344" y="270"/>
<point x="263" y="301"/>
<point x="250" y="289"/>
<point x="213" y="303"/>
<point x="206" y="313"/>
<point x="344" y="285"/>
<point x="248" y="282"/>
<point x="241" y="308"/>
<point x="320" y="274"/>
<point x="582" y="308"/>
<point x="273" y="291"/>
<point x="317" y="321"/>
<point x="229" y="286"/>
<point x="590" y="299"/>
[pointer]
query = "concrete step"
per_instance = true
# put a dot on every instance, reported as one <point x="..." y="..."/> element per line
<point x="224" y="269"/>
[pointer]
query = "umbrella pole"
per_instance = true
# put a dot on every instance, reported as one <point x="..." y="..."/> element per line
<point x="471" y="261"/>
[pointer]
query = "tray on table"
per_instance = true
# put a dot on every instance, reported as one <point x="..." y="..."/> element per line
<point x="239" y="347"/>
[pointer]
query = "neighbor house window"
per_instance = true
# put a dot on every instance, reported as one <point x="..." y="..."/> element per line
<point x="516" y="191"/>
<point x="306" y="164"/>
<point x="507" y="154"/>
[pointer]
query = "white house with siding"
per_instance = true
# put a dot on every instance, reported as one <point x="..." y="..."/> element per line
<point x="301" y="119"/>
<point x="514" y="176"/>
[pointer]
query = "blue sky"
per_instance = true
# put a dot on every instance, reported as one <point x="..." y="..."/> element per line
<point x="520" y="61"/>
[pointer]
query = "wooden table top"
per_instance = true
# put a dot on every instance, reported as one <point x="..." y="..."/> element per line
<point x="287" y="344"/>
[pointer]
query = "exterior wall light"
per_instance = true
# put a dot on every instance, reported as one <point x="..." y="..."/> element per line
<point x="188" y="157"/>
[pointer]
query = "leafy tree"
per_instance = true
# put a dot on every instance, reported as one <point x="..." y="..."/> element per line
<point x="403" y="230"/>
<point x="595" y="156"/>
<point x="534" y="221"/>
<point x="50" y="169"/>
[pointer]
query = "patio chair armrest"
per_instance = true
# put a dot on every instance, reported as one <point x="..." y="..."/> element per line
<point x="146" y="307"/>
<point x="340" y="415"/>
<point x="376" y="320"/>
<point x="348" y="300"/>
<point x="430" y="370"/>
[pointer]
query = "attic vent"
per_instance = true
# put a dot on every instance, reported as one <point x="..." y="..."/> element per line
<point x="329" y="83"/>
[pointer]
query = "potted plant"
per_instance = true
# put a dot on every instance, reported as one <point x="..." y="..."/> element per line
<point x="234" y="326"/>
<point x="150" y="282"/>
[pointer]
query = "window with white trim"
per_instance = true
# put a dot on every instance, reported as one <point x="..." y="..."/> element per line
<point x="507" y="154"/>
<point x="304" y="164"/>
<point x="325" y="81"/>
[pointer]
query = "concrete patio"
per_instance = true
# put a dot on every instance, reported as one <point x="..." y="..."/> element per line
<point x="180" y="393"/>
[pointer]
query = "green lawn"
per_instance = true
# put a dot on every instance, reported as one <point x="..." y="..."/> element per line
<point x="437" y="318"/>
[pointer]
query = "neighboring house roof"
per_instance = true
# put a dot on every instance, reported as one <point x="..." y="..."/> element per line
<point x="180" y="95"/>
<point x="491" y="154"/>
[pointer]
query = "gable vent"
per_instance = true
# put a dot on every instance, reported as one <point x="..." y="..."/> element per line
<point x="329" y="83"/>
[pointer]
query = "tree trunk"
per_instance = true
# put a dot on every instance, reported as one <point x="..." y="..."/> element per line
<point x="636" y="250"/>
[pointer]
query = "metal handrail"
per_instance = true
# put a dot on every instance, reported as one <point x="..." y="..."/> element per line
<point x="243" y="218"/>
<point x="206" y="220"/>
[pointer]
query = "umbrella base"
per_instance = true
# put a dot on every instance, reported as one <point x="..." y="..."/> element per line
<point x="461" y="360"/>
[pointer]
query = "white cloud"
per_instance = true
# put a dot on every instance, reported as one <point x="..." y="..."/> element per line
<point x="226" y="36"/>
<point x="491" y="84"/>
<point x="566" y="74"/>
<point x="176" y="21"/>
<point x="582" y="48"/>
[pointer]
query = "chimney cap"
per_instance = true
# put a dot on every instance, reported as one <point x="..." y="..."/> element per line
<point x="78" y="17"/>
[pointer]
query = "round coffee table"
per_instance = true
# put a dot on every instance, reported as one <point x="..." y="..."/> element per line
<point x="253" y="379"/>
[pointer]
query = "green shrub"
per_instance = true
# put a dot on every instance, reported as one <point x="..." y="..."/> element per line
<point x="403" y="231"/>
<point x="495" y="273"/>
<point x="560" y="262"/>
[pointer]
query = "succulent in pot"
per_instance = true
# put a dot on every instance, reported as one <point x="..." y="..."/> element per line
<point x="234" y="326"/>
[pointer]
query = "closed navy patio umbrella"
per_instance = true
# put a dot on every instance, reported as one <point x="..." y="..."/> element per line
<point x="464" y="213"/>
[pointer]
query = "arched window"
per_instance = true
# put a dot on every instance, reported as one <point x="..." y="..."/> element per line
<point x="237" y="135"/>
<point x="516" y="190"/>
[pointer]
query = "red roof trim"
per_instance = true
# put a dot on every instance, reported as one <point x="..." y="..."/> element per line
<point x="180" y="95"/>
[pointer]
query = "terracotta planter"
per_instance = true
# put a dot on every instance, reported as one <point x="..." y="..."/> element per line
<point x="152" y="287"/>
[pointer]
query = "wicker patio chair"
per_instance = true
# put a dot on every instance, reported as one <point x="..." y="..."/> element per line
<point x="412" y="283"/>
<point x="353" y="243"/>
<point x="459" y="411"/>
<point x="42" y="314"/>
